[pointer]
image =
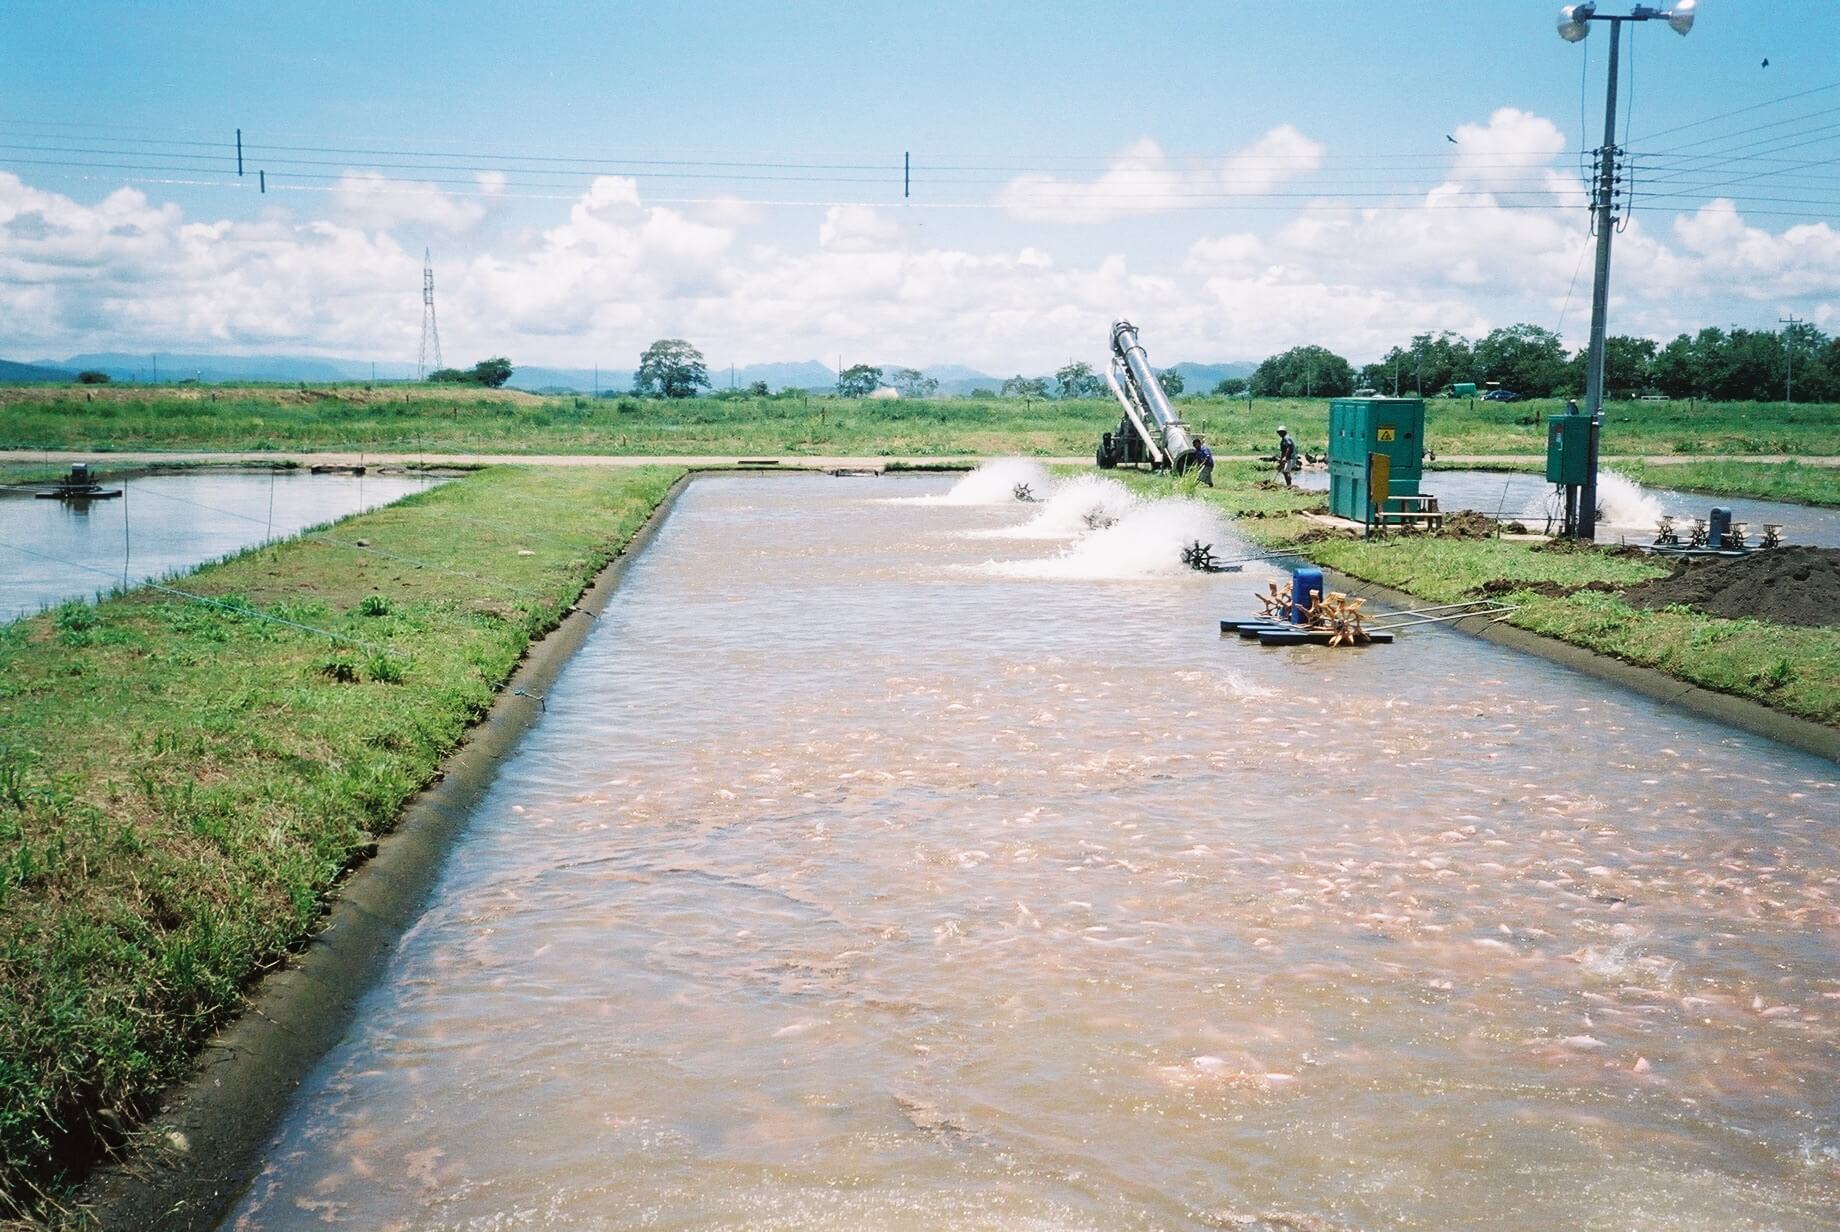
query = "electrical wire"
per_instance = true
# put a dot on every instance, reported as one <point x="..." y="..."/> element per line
<point x="1726" y="115"/>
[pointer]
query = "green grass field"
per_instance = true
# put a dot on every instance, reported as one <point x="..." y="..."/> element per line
<point x="181" y="785"/>
<point x="446" y="420"/>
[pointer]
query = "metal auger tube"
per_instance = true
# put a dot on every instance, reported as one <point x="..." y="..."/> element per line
<point x="1134" y="413"/>
<point x="1176" y="440"/>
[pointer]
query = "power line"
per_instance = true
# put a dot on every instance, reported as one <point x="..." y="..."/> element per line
<point x="1726" y="115"/>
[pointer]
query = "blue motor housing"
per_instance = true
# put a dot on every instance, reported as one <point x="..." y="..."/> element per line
<point x="1306" y="586"/>
<point x="1717" y="527"/>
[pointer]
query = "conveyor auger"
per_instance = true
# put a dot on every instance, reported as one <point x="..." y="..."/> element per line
<point x="1150" y="431"/>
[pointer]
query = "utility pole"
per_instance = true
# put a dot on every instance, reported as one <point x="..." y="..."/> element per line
<point x="1574" y="25"/>
<point x="1789" y="323"/>
<point x="1603" y="218"/>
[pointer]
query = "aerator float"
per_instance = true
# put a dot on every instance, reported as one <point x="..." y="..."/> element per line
<point x="1310" y="614"/>
<point x="1717" y="535"/>
<point x="78" y="485"/>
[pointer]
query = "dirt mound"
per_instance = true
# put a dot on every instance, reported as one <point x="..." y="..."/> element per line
<point x="1467" y="524"/>
<point x="1567" y="546"/>
<point x="1789" y="586"/>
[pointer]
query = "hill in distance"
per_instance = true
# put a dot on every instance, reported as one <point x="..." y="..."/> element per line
<point x="20" y="374"/>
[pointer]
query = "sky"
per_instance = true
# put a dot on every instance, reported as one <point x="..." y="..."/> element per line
<point x="1237" y="178"/>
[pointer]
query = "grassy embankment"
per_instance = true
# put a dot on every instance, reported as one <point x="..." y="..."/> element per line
<point x="1790" y="668"/>
<point x="443" y="420"/>
<point x="181" y="785"/>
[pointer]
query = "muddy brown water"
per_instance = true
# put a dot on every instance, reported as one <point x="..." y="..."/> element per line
<point x="847" y="883"/>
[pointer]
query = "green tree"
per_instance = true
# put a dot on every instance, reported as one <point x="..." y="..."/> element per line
<point x="1440" y="361"/>
<point x="1676" y="370"/>
<point x="1628" y="366"/>
<point x="492" y="373"/>
<point x="1303" y="372"/>
<point x="859" y="381"/>
<point x="89" y="376"/>
<point x="1528" y="359"/>
<point x="1171" y="381"/>
<point x="1231" y="386"/>
<point x="451" y="376"/>
<point x="1078" y="380"/>
<point x="758" y="389"/>
<point x="913" y="383"/>
<point x="1019" y="386"/>
<point x="672" y="368"/>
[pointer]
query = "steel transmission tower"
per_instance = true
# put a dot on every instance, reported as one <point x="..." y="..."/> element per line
<point x="431" y="332"/>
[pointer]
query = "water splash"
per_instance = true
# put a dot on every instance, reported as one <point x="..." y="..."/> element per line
<point x="1146" y="542"/>
<point x="1621" y="503"/>
<point x="1078" y="505"/>
<point x="993" y="483"/>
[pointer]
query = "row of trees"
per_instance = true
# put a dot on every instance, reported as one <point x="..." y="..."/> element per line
<point x="1800" y="361"/>
<point x="1732" y="365"/>
<point x="491" y="373"/>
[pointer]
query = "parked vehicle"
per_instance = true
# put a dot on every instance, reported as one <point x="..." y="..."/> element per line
<point x="1501" y="395"/>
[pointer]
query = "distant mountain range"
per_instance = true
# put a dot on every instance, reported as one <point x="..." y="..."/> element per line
<point x="19" y="374"/>
<point x="808" y="375"/>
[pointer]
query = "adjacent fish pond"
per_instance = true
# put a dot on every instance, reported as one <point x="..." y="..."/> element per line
<point x="54" y="550"/>
<point x="887" y="860"/>
<point x="1628" y="510"/>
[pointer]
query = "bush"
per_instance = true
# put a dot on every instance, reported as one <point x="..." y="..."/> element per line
<point x="339" y="666"/>
<point x="89" y="376"/>
<point x="374" y="605"/>
<point x="384" y="669"/>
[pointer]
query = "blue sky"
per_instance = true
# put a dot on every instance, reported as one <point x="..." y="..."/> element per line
<point x="1326" y="228"/>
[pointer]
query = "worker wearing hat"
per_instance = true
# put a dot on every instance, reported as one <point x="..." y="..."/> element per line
<point x="1287" y="454"/>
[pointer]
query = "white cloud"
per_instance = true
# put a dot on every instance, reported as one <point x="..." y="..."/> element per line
<point x="857" y="228"/>
<point x="1510" y="153"/>
<point x="1142" y="179"/>
<point x="368" y="199"/>
<point x="609" y="273"/>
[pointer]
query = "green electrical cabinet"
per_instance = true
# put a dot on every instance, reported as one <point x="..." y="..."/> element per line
<point x="1568" y="449"/>
<point x="1394" y="427"/>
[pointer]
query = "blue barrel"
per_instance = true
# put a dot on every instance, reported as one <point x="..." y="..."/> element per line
<point x="1718" y="526"/>
<point x="1306" y="585"/>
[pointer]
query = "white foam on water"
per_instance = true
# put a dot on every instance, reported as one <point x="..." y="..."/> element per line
<point x="1078" y="505"/>
<point x="1621" y="502"/>
<point x="1146" y="542"/>
<point x="993" y="483"/>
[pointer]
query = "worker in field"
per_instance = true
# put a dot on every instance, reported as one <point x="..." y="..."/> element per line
<point x="1204" y="458"/>
<point x="1287" y="455"/>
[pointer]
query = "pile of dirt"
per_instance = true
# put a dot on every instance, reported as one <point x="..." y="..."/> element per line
<point x="1567" y="546"/>
<point x="1789" y="586"/>
<point x="1467" y="524"/>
